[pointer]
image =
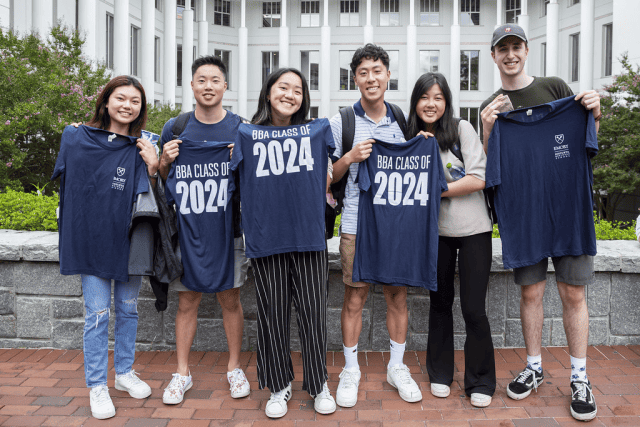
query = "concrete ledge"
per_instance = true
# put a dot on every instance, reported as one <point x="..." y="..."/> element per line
<point x="41" y="308"/>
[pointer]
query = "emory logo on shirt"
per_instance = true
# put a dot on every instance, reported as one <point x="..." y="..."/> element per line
<point x="561" y="150"/>
<point x="118" y="183"/>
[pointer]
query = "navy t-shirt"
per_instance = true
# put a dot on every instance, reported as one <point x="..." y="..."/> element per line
<point x="283" y="178"/>
<point x="539" y="162"/>
<point x="198" y="183"/>
<point x="400" y="191"/>
<point x="100" y="175"/>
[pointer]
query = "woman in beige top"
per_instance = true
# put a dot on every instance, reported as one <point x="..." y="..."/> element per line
<point x="464" y="228"/>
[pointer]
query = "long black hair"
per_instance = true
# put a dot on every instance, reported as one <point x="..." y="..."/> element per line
<point x="263" y="114"/>
<point x="445" y="129"/>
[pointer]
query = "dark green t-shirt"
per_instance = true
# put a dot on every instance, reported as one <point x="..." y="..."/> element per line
<point x="540" y="91"/>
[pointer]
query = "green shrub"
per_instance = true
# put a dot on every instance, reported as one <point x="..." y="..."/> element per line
<point x="605" y="230"/>
<point x="158" y="116"/>
<point x="28" y="211"/>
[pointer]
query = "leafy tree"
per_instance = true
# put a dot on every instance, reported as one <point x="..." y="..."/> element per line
<point x="617" y="165"/>
<point x="44" y="85"/>
<point x="158" y="116"/>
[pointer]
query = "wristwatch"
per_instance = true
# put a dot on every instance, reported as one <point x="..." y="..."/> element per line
<point x="155" y="175"/>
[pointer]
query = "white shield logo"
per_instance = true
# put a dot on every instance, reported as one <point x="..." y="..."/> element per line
<point x="560" y="138"/>
<point x="121" y="170"/>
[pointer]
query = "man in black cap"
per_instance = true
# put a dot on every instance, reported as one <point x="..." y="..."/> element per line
<point x="509" y="50"/>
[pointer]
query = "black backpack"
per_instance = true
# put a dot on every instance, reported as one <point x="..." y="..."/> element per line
<point x="348" y="117"/>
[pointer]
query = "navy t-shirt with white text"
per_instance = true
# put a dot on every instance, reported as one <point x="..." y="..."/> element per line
<point x="539" y="163"/>
<point x="400" y="190"/>
<point x="100" y="175"/>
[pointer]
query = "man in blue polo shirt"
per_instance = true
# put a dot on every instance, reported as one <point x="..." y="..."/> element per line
<point x="373" y="120"/>
<point x="509" y="51"/>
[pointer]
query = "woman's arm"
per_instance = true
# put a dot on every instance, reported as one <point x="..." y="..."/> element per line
<point x="475" y="163"/>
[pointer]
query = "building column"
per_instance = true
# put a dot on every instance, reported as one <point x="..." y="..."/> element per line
<point x="170" y="52"/>
<point x="325" y="65"/>
<point x="284" y="37"/>
<point x="203" y="29"/>
<point x="121" y="38"/>
<point x="243" y="53"/>
<point x="553" y="13"/>
<point x="454" y="61"/>
<point x="41" y="16"/>
<point x="187" y="57"/>
<point x="412" y="51"/>
<point x="147" y="45"/>
<point x="523" y="21"/>
<point x="497" y="82"/>
<point x="368" y="28"/>
<point x="587" y="21"/>
<point x="87" y="24"/>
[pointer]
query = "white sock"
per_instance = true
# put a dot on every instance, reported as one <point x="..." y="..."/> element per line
<point x="397" y="353"/>
<point x="351" y="357"/>
<point x="535" y="363"/>
<point x="578" y="369"/>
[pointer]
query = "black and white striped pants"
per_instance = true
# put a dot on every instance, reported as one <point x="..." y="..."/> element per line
<point x="300" y="277"/>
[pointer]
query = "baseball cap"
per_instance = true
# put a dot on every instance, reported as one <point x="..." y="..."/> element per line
<point x="506" y="31"/>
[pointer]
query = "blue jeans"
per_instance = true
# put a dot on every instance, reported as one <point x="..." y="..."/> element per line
<point x="97" y="303"/>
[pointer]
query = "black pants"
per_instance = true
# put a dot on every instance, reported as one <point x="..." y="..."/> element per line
<point x="474" y="267"/>
<point x="300" y="277"/>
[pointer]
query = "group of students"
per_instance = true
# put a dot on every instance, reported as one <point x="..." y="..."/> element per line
<point x="282" y="221"/>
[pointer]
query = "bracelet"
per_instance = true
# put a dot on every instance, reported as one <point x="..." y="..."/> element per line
<point x="597" y="119"/>
<point x="155" y="175"/>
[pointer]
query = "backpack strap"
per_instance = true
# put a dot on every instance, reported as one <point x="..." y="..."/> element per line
<point x="455" y="149"/>
<point x="399" y="115"/>
<point x="180" y="124"/>
<point x="348" y="117"/>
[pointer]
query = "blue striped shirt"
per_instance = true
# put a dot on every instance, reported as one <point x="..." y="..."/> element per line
<point x="386" y="130"/>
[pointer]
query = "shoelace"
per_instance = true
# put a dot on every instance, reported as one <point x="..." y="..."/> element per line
<point x="175" y="383"/>
<point x="133" y="377"/>
<point x="524" y="375"/>
<point x="279" y="396"/>
<point x="102" y="395"/>
<point x="325" y="393"/>
<point x="403" y="374"/>
<point x="581" y="391"/>
<point x="350" y="378"/>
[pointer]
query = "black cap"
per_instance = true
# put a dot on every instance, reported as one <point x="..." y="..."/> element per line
<point x="506" y="31"/>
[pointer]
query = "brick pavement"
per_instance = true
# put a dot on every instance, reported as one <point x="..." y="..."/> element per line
<point x="46" y="388"/>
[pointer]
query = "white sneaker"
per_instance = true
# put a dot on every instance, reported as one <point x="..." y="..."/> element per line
<point x="277" y="404"/>
<point x="323" y="401"/>
<point x="130" y="382"/>
<point x="347" y="394"/>
<point x="480" y="400"/>
<point x="440" y="390"/>
<point x="174" y="393"/>
<point x="101" y="404"/>
<point x="400" y="377"/>
<point x="238" y="383"/>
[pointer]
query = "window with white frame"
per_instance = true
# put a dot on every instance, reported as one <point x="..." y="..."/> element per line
<point x="346" y="76"/>
<point x="225" y="56"/>
<point x="270" y="13"/>
<point x="313" y="112"/>
<point x="270" y="63"/>
<point x="512" y="11"/>
<point x="222" y="13"/>
<point x="156" y="59"/>
<point x="159" y="5"/>
<point x="109" y="47"/>
<point x="471" y="115"/>
<point x="180" y="6"/>
<point x="394" y="67"/>
<point x="349" y="13"/>
<point x="310" y="67"/>
<point x="572" y="2"/>
<point x="469" y="68"/>
<point x="389" y="13"/>
<point x="310" y="13"/>
<point x="574" y="44"/>
<point x="543" y="59"/>
<point x="429" y="60"/>
<point x="545" y="7"/>
<point x="469" y="12"/>
<point x="133" y="61"/>
<point x="607" y="49"/>
<point x="429" y="12"/>
<point x="179" y="65"/>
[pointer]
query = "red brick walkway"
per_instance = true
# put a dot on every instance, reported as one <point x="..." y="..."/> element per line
<point x="46" y="387"/>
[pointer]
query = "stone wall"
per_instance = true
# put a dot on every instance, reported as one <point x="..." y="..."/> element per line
<point x="41" y="308"/>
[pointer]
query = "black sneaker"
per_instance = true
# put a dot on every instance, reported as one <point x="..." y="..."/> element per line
<point x="583" y="404"/>
<point x="522" y="385"/>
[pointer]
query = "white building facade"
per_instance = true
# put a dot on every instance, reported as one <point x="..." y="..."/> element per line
<point x="156" y="41"/>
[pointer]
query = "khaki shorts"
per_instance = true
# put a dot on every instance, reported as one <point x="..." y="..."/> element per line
<point x="347" y="252"/>
<point x="240" y="267"/>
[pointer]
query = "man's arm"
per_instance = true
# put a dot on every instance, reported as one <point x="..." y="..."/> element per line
<point x="358" y="153"/>
<point x="591" y="101"/>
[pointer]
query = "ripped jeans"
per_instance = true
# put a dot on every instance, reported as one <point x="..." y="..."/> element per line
<point x="97" y="303"/>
